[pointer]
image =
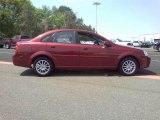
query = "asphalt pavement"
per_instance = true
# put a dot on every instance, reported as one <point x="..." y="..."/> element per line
<point x="74" y="96"/>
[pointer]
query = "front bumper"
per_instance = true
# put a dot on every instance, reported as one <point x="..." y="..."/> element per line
<point x="145" y="62"/>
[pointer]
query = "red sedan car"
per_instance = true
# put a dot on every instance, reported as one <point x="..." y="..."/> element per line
<point x="77" y="49"/>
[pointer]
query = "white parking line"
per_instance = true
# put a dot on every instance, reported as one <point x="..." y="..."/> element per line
<point x="8" y="63"/>
<point x="153" y="55"/>
<point x="6" y="53"/>
<point x="156" y="60"/>
<point x="149" y="77"/>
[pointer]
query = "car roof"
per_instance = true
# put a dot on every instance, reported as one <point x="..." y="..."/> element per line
<point x="77" y="30"/>
<point x="67" y="30"/>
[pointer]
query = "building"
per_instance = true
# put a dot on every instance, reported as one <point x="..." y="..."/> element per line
<point x="150" y="37"/>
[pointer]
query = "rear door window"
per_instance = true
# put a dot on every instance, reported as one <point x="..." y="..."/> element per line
<point x="63" y="37"/>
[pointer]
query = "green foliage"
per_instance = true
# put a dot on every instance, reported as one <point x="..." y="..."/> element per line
<point x="21" y="17"/>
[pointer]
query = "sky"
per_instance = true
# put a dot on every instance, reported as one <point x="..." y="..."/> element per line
<point x="115" y="18"/>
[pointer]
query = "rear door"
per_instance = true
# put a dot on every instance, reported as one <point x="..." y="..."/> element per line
<point x="64" y="49"/>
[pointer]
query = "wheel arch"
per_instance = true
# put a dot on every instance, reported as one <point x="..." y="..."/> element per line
<point x="128" y="56"/>
<point x="41" y="54"/>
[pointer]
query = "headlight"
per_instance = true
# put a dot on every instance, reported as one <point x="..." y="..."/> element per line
<point x="145" y="53"/>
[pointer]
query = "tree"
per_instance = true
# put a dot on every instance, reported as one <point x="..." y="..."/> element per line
<point x="64" y="17"/>
<point x="9" y="15"/>
<point x="21" y="17"/>
<point x="27" y="21"/>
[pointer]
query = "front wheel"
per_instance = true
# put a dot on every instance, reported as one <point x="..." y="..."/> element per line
<point x="43" y="66"/>
<point x="128" y="66"/>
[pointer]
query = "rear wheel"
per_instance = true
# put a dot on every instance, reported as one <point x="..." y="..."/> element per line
<point x="128" y="66"/>
<point x="43" y="66"/>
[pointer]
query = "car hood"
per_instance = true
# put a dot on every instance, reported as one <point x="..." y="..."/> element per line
<point x="127" y="48"/>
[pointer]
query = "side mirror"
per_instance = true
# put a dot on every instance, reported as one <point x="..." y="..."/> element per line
<point x="107" y="44"/>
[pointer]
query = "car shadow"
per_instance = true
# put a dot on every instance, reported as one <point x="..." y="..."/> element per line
<point x="30" y="72"/>
<point x="86" y="73"/>
<point x="145" y="72"/>
<point x="107" y="73"/>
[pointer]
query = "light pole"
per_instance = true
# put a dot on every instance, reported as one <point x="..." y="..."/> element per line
<point x="96" y="4"/>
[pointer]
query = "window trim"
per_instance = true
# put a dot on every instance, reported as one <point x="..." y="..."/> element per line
<point x="49" y="35"/>
<point x="85" y="33"/>
<point x="55" y="34"/>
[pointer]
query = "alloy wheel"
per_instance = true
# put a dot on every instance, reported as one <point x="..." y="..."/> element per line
<point x="43" y="66"/>
<point x="128" y="66"/>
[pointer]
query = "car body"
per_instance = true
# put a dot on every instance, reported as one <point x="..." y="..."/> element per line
<point x="77" y="49"/>
<point x="156" y="46"/>
<point x="1" y="42"/>
<point x="11" y="42"/>
<point x="146" y="45"/>
<point x="137" y="43"/>
<point x="121" y="42"/>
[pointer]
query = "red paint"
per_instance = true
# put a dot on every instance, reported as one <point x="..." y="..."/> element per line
<point x="76" y="55"/>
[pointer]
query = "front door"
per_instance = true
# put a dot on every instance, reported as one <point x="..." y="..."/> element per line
<point x="93" y="52"/>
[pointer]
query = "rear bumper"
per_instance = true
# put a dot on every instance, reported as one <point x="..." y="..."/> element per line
<point x="21" y="60"/>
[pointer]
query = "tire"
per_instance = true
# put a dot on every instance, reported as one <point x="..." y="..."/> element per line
<point x="43" y="66"/>
<point x="128" y="66"/>
<point x="7" y="46"/>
